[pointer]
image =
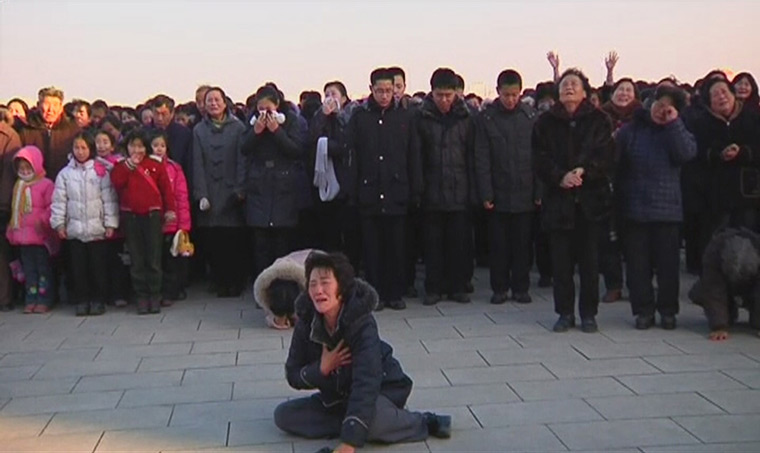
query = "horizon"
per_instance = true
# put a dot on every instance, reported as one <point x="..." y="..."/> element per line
<point x="142" y="49"/>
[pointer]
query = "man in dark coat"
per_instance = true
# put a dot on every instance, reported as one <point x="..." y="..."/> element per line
<point x="9" y="144"/>
<point x="50" y="131"/>
<point x="506" y="187"/>
<point x="381" y="136"/>
<point x="180" y="137"/>
<point x="446" y="135"/>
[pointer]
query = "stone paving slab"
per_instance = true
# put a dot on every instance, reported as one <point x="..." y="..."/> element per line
<point x="66" y="443"/>
<point x="606" y="435"/>
<point x="723" y="428"/>
<point x="680" y="382"/>
<point x="128" y="381"/>
<point x="207" y="433"/>
<point x="199" y="393"/>
<point x="61" y="403"/>
<point x="114" y="419"/>
<point x="653" y="406"/>
<point x="534" y="413"/>
<point x="568" y="389"/>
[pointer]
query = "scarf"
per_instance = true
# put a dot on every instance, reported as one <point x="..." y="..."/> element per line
<point x="22" y="201"/>
<point x="324" y="173"/>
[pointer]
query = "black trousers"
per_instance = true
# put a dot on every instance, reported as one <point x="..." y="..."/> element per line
<point x="144" y="240"/>
<point x="414" y="245"/>
<point x="35" y="261"/>
<point x="541" y="249"/>
<point x="510" y="242"/>
<point x="175" y="270"/>
<point x="696" y="235"/>
<point x="337" y="229"/>
<point x="578" y="245"/>
<point x="610" y="254"/>
<point x="118" y="272"/>
<point x="446" y="270"/>
<point x="653" y="249"/>
<point x="87" y="270"/>
<point x="5" y="258"/>
<point x="270" y="244"/>
<point x="307" y="417"/>
<point x="225" y="249"/>
<point x="383" y="244"/>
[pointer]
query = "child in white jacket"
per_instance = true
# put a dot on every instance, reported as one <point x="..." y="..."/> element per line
<point x="85" y="212"/>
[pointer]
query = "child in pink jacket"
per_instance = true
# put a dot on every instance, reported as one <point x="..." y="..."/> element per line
<point x="175" y="267"/>
<point x="29" y="227"/>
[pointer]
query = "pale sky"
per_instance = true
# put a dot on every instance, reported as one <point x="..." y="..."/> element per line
<point x="128" y="51"/>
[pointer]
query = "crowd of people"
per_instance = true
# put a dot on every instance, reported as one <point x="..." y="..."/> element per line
<point x="94" y="198"/>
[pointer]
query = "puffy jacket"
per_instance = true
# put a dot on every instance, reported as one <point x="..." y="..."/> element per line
<point x="144" y="189"/>
<point x="55" y="142"/>
<point x="504" y="158"/>
<point x="387" y="151"/>
<point x="84" y="201"/>
<point x="353" y="388"/>
<point x="562" y="143"/>
<point x="219" y="171"/>
<point x="33" y="227"/>
<point x="446" y="149"/>
<point x="275" y="174"/>
<point x="651" y="156"/>
<point x="178" y="183"/>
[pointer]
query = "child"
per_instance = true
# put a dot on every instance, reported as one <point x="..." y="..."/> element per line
<point x="85" y="211"/>
<point x="277" y="287"/>
<point x="146" y="193"/>
<point x="29" y="227"/>
<point x="118" y="272"/>
<point x="174" y="267"/>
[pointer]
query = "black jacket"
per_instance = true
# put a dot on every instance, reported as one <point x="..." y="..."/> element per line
<point x="562" y="143"/>
<point x="387" y="152"/>
<point x="504" y="158"/>
<point x="333" y="127"/>
<point x="446" y="147"/>
<point x="55" y="143"/>
<point x="181" y="146"/>
<point x="275" y="178"/>
<point x="355" y="387"/>
<point x="729" y="179"/>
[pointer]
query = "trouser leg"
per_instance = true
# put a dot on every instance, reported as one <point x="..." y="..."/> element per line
<point x="393" y="425"/>
<point x="666" y="257"/>
<point x="309" y="418"/>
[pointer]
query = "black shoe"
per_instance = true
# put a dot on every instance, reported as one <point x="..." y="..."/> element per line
<point x="438" y="425"/>
<point x="324" y="450"/>
<point x="544" y="281"/>
<point x="6" y="308"/>
<point x="97" y="308"/>
<point x="143" y="307"/>
<point x="411" y="293"/>
<point x="469" y="288"/>
<point x="522" y="298"/>
<point x="154" y="306"/>
<point x="499" y="298"/>
<point x="667" y="322"/>
<point x="431" y="299"/>
<point x="643" y="322"/>
<point x="83" y="309"/>
<point x="396" y="304"/>
<point x="588" y="325"/>
<point x="564" y="323"/>
<point x="379" y="307"/>
<point x="460" y="298"/>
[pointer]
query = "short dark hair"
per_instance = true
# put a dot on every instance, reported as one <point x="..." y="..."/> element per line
<point x="107" y="134"/>
<point x="282" y="295"/>
<point x="100" y="104"/>
<point x="24" y="105"/>
<point x="509" y="77"/>
<point x="396" y="71"/>
<point x="80" y="103"/>
<point x="154" y="134"/>
<point x="89" y="140"/>
<point x="141" y="135"/>
<point x="268" y="92"/>
<point x="444" y="79"/>
<point x="380" y="74"/>
<point x="340" y="266"/>
<point x="676" y="95"/>
<point x="162" y="100"/>
<point x="617" y="84"/>
<point x="578" y="73"/>
<point x="113" y="119"/>
<point x="337" y="84"/>
<point x="460" y="82"/>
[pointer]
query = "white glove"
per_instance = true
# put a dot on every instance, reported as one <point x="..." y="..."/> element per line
<point x="204" y="204"/>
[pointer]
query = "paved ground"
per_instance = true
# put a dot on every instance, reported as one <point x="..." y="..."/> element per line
<point x="206" y="374"/>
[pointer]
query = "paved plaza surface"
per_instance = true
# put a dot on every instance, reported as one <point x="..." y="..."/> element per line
<point x="206" y="375"/>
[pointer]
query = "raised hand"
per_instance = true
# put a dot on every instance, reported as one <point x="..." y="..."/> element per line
<point x="611" y="60"/>
<point x="553" y="59"/>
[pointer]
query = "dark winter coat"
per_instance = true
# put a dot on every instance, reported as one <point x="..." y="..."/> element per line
<point x="729" y="269"/>
<point x="275" y="177"/>
<point x="504" y="158"/>
<point x="181" y="146"/>
<point x="55" y="143"/>
<point x="333" y="127"/>
<point x="387" y="152"/>
<point x="695" y="182"/>
<point x="355" y="387"/>
<point x="730" y="180"/>
<point x="648" y="177"/>
<point x="218" y="170"/>
<point x="447" y="148"/>
<point x="9" y="144"/>
<point x="562" y="143"/>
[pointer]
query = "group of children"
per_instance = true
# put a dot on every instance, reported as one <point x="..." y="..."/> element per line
<point x="100" y="202"/>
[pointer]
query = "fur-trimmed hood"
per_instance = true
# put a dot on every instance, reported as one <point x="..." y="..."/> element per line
<point x="289" y="267"/>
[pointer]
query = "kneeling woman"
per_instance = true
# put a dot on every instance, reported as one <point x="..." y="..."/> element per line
<point x="336" y="349"/>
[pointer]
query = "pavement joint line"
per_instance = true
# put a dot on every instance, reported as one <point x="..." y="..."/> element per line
<point x="556" y="436"/>
<point x="704" y="397"/>
<point x="227" y="439"/>
<point x="152" y="337"/>
<point x="686" y="429"/>
<point x="198" y="329"/>
<point x="623" y="384"/>
<point x="232" y="391"/>
<point x="509" y="386"/>
<point x="653" y="365"/>
<point x="50" y="420"/>
<point x="446" y="377"/>
<point x="424" y="347"/>
<point x="594" y="409"/>
<point x="457" y="331"/>
<point x="483" y="358"/>
<point x="744" y="353"/>
<point x="171" y="415"/>
<point x="469" y="408"/>
<point x="71" y="390"/>
<point x="674" y="346"/>
<point x="28" y="335"/>
<point x="182" y="379"/>
<point x="576" y="349"/>
<point x="123" y="393"/>
<point x="94" y="359"/>
<point x="35" y="373"/>
<point x="734" y="379"/>
<point x="548" y="370"/>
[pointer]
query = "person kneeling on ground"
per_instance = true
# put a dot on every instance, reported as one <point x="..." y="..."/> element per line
<point x="336" y="349"/>
<point x="730" y="267"/>
<point x="277" y="287"/>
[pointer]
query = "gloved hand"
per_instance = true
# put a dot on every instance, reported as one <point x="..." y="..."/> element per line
<point x="204" y="204"/>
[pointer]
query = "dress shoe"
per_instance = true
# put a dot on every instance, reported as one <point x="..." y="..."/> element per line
<point x="588" y="325"/>
<point x="461" y="298"/>
<point x="431" y="299"/>
<point x="499" y="298"/>
<point x="522" y="298"/>
<point x="398" y="304"/>
<point x="643" y="322"/>
<point x="564" y="323"/>
<point x="439" y="426"/>
<point x="668" y="322"/>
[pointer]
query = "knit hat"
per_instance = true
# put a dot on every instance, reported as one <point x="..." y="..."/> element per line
<point x="676" y="96"/>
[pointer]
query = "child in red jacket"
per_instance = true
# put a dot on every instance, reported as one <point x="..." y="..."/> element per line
<point x="146" y="193"/>
<point x="29" y="227"/>
<point x="175" y="267"/>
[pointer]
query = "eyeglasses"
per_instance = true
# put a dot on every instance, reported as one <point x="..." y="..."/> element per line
<point x="383" y="90"/>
